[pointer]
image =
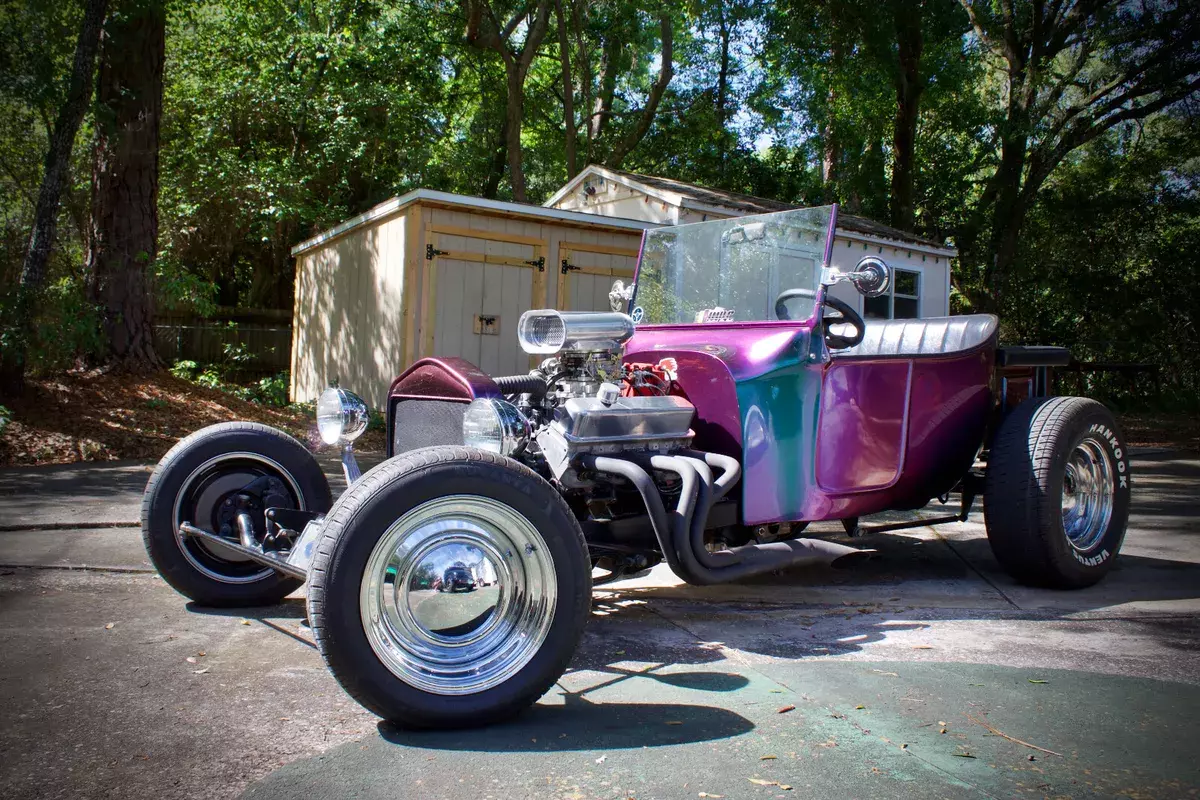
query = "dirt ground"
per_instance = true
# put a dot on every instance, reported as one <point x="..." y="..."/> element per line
<point x="94" y="416"/>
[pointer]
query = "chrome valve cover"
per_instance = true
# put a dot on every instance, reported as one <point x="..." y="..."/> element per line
<point x="588" y="425"/>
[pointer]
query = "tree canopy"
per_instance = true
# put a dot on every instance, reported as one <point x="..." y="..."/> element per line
<point x="1054" y="143"/>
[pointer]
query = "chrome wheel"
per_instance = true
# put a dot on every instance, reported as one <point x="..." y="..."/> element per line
<point x="458" y="595"/>
<point x="1087" y="494"/>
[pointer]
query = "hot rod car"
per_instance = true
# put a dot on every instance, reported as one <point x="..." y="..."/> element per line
<point x="727" y="401"/>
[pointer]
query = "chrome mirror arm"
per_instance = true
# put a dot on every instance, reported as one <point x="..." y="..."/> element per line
<point x="871" y="277"/>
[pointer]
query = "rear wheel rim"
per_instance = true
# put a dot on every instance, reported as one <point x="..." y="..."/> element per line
<point x="458" y="595"/>
<point x="1087" y="494"/>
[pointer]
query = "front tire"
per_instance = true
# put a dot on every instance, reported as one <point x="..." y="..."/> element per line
<point x="1056" y="493"/>
<point x="197" y="479"/>
<point x="450" y="588"/>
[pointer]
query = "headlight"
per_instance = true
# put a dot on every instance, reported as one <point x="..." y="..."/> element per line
<point x="496" y="426"/>
<point x="341" y="416"/>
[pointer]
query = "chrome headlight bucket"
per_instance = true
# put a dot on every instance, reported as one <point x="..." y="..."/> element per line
<point x="341" y="416"/>
<point x="496" y="426"/>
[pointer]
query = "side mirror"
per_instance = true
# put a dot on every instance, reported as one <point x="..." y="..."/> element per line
<point x="871" y="277"/>
<point x="620" y="295"/>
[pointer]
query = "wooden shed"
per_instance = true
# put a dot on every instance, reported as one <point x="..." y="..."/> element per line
<point x="438" y="273"/>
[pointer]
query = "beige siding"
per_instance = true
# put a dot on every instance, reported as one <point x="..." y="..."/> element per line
<point x="353" y="292"/>
<point x="348" y="320"/>
<point x="934" y="272"/>
<point x="455" y="301"/>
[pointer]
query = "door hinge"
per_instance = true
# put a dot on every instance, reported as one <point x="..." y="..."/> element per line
<point x="540" y="263"/>
<point x="567" y="266"/>
<point x="431" y="251"/>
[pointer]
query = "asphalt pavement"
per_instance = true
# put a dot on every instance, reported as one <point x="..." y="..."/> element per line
<point x="923" y="672"/>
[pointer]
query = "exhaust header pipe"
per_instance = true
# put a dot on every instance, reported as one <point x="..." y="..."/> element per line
<point x="681" y="535"/>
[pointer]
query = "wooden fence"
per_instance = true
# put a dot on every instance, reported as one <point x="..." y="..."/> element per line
<point x="265" y="336"/>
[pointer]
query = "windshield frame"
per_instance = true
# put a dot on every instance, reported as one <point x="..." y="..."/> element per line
<point x="808" y="322"/>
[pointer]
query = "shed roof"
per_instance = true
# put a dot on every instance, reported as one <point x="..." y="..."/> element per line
<point x="694" y="195"/>
<point x="449" y="199"/>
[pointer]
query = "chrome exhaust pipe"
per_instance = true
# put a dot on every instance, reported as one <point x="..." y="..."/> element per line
<point x="682" y="543"/>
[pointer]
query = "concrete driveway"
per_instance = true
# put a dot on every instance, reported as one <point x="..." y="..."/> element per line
<point x="922" y="673"/>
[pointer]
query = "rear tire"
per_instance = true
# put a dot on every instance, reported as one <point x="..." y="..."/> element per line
<point x="193" y="477"/>
<point x="450" y="588"/>
<point x="1056" y="492"/>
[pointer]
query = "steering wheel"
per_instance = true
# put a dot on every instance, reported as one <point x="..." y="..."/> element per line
<point x="846" y="315"/>
<point x="781" y="311"/>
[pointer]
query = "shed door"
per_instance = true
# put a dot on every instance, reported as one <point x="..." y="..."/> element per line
<point x="586" y="274"/>
<point x="481" y="287"/>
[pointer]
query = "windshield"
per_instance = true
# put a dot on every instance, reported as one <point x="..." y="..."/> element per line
<point x="733" y="270"/>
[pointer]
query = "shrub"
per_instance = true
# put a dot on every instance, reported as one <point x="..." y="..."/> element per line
<point x="185" y="370"/>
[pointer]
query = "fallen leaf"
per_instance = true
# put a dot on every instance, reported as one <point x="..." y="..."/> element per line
<point x="601" y="759"/>
<point x="761" y="782"/>
<point x="922" y="647"/>
<point x="110" y="626"/>
<point x="860" y="707"/>
<point x="245" y="622"/>
<point x="200" y="671"/>
<point x="786" y="709"/>
<point x="201" y="653"/>
<point x="706" y="794"/>
<point x="881" y="672"/>
<point x="943" y="730"/>
<point x="191" y="660"/>
<point x="767" y="758"/>
<point x="620" y="652"/>
<point x="674" y="722"/>
<point x="1033" y="680"/>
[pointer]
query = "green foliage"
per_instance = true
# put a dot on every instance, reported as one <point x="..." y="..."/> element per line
<point x="5" y="418"/>
<point x="185" y="370"/>
<point x="1107" y="264"/>
<point x="282" y="119"/>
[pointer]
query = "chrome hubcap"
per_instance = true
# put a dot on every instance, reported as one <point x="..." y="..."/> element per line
<point x="1087" y="494"/>
<point x="458" y="595"/>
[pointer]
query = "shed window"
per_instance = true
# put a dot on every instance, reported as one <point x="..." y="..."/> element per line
<point x="902" y="301"/>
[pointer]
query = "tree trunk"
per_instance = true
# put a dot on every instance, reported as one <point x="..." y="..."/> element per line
<point x="723" y="89"/>
<point x="909" y="88"/>
<point x="123" y="243"/>
<point x="609" y="67"/>
<point x="514" y="115"/>
<point x="585" y="77"/>
<point x="45" y="220"/>
<point x="570" y="141"/>
<point x="491" y="183"/>
<point x="666" y="71"/>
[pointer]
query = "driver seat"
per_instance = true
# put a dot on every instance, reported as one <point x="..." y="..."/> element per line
<point x="933" y="336"/>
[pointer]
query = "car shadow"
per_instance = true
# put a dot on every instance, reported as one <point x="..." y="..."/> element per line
<point x="580" y="724"/>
